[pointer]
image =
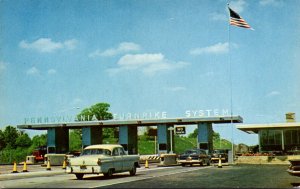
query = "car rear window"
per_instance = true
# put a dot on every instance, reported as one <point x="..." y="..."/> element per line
<point x="96" y="152"/>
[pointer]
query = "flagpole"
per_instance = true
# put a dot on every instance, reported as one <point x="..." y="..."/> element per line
<point x="230" y="78"/>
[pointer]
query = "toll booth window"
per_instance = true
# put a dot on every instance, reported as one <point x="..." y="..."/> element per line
<point x="51" y="150"/>
<point x="203" y="146"/>
<point x="162" y="146"/>
<point x="125" y="146"/>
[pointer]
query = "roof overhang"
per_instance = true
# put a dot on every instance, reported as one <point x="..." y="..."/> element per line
<point x="136" y="122"/>
<point x="254" y="128"/>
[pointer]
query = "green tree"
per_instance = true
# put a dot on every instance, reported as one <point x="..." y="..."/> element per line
<point x="10" y="135"/>
<point x="100" y="112"/>
<point x="194" y="134"/>
<point x="39" y="140"/>
<point x="2" y="141"/>
<point x="75" y="140"/>
<point x="23" y="140"/>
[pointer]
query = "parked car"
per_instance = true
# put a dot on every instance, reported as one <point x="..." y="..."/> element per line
<point x="103" y="158"/>
<point x="294" y="168"/>
<point x="194" y="156"/>
<point x="219" y="153"/>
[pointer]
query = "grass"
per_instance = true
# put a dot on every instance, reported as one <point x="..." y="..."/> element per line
<point x="146" y="144"/>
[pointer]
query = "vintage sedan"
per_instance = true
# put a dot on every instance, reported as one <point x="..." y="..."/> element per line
<point x="294" y="168"/>
<point x="194" y="156"/>
<point x="103" y="158"/>
<point x="219" y="153"/>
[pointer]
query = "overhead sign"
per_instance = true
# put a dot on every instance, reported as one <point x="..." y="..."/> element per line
<point x="180" y="130"/>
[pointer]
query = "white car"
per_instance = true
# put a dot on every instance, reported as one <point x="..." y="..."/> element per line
<point x="103" y="158"/>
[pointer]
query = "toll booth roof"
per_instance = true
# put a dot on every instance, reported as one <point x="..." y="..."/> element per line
<point x="136" y="122"/>
<point x="254" y="128"/>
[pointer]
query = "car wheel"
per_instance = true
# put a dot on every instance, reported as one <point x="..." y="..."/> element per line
<point x="132" y="172"/>
<point x="109" y="173"/>
<point x="183" y="164"/>
<point x="79" y="176"/>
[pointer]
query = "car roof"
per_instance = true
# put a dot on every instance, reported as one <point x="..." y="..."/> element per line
<point x="103" y="146"/>
<point x="189" y="150"/>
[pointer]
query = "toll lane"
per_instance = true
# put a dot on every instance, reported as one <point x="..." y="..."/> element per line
<point x="91" y="181"/>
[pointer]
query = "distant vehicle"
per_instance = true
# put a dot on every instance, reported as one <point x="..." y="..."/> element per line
<point x="39" y="153"/>
<point x="219" y="153"/>
<point x="103" y="158"/>
<point x="294" y="168"/>
<point x="194" y="156"/>
<point x="294" y="151"/>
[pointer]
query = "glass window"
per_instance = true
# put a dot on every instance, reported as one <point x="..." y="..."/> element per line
<point x="121" y="150"/>
<point x="95" y="152"/>
<point x="270" y="140"/>
<point x="271" y="137"/>
<point x="115" y="152"/>
<point x="277" y="137"/>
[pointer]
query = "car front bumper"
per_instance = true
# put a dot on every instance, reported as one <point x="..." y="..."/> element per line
<point x="190" y="161"/>
<point x="293" y="173"/>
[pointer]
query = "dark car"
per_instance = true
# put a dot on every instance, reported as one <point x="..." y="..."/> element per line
<point x="294" y="168"/>
<point x="194" y="156"/>
<point x="219" y="153"/>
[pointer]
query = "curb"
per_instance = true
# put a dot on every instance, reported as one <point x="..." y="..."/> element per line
<point x="12" y="176"/>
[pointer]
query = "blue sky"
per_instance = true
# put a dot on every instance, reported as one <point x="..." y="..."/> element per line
<point x="173" y="56"/>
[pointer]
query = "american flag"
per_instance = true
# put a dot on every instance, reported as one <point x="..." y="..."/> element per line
<point x="237" y="20"/>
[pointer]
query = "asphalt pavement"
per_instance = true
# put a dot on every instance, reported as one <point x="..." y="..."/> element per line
<point x="229" y="176"/>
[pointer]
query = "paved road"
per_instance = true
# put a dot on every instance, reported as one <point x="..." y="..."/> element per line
<point x="237" y="176"/>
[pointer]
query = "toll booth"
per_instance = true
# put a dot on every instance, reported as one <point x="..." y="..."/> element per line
<point x="58" y="140"/>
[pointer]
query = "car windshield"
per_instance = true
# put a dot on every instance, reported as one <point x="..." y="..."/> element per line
<point x="219" y="151"/>
<point x="191" y="152"/>
<point x="97" y="151"/>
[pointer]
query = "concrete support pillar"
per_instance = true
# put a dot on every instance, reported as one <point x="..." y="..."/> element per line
<point x="58" y="140"/>
<point x="163" y="139"/>
<point x="128" y="138"/>
<point x="91" y="135"/>
<point x="205" y="139"/>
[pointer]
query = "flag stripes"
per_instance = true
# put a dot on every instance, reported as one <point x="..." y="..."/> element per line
<point x="237" y="20"/>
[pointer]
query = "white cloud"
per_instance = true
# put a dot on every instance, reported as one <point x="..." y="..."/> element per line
<point x="218" y="17"/>
<point x="270" y="2"/>
<point x="2" y="66"/>
<point x="71" y="44"/>
<point x="76" y="101"/>
<point x="51" y="71"/>
<point x="124" y="47"/>
<point x="32" y="71"/>
<point x="238" y="6"/>
<point x="208" y="74"/>
<point x="273" y="93"/>
<point x="46" y="45"/>
<point x="219" y="48"/>
<point x="176" y="89"/>
<point x="149" y="64"/>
